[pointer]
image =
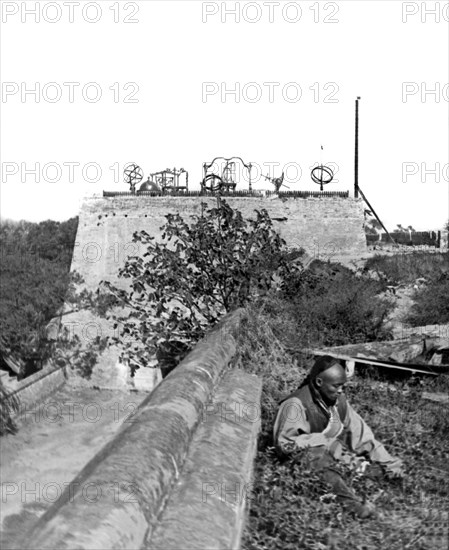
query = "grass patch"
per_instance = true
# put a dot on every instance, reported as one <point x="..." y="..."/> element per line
<point x="431" y="304"/>
<point x="330" y="305"/>
<point x="291" y="508"/>
<point x="406" y="268"/>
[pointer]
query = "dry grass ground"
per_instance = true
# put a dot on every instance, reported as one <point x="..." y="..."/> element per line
<point x="291" y="508"/>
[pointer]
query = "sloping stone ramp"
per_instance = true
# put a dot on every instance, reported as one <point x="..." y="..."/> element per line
<point x="177" y="476"/>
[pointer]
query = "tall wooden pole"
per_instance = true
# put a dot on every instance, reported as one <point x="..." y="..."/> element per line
<point x="356" y="150"/>
<point x="357" y="189"/>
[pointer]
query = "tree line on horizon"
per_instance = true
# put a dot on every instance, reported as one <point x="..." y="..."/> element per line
<point x="34" y="277"/>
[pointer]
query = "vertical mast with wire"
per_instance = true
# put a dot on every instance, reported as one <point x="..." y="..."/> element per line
<point x="356" y="150"/>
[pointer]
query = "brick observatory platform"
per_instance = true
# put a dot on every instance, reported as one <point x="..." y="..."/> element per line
<point x="326" y="227"/>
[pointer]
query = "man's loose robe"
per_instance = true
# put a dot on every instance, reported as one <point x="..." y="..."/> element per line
<point x="303" y="420"/>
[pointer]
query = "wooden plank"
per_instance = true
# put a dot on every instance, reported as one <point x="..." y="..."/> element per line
<point x="12" y="363"/>
<point x="377" y="363"/>
<point x="437" y="397"/>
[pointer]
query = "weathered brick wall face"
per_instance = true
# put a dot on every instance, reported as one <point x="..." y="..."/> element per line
<point x="325" y="227"/>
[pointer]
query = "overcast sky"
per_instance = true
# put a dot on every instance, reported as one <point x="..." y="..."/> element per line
<point x="152" y="82"/>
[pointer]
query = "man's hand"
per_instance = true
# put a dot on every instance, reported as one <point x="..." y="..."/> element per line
<point x="340" y="452"/>
<point x="361" y="465"/>
<point x="395" y="470"/>
<point x="337" y="449"/>
<point x="396" y="475"/>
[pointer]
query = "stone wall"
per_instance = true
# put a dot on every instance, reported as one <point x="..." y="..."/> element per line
<point x="409" y="238"/>
<point x="38" y="386"/>
<point x="325" y="227"/>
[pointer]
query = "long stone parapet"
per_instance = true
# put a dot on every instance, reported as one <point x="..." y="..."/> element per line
<point x="38" y="386"/>
<point x="136" y="471"/>
<point x="207" y="507"/>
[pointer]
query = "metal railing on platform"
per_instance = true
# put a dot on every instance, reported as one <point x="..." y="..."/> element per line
<point x="311" y="194"/>
<point x="245" y="193"/>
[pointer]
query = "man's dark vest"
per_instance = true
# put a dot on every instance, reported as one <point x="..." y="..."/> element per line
<point x="316" y="416"/>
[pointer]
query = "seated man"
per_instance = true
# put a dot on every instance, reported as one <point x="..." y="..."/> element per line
<point x="318" y="417"/>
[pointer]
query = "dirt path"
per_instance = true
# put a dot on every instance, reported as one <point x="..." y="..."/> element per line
<point x="54" y="442"/>
<point x="403" y="301"/>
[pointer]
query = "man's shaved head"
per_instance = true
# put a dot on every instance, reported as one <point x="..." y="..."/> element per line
<point x="330" y="383"/>
<point x="336" y="373"/>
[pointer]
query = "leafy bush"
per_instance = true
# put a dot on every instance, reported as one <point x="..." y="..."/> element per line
<point x="70" y="352"/>
<point x="431" y="304"/>
<point x="333" y="306"/>
<point x="193" y="276"/>
<point x="34" y="277"/>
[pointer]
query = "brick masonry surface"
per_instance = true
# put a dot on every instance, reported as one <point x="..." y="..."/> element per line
<point x="325" y="227"/>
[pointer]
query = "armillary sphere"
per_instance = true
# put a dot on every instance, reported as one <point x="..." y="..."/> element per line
<point x="322" y="175"/>
<point x="212" y="183"/>
<point x="132" y="175"/>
